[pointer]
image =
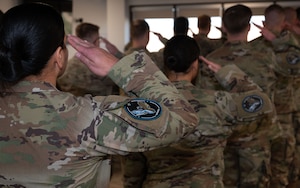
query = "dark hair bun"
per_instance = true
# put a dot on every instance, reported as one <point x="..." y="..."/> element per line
<point x="180" y="52"/>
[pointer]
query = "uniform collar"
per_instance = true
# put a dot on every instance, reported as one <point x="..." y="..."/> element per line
<point x="33" y="86"/>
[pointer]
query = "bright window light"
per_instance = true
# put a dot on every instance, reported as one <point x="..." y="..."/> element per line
<point x="164" y="26"/>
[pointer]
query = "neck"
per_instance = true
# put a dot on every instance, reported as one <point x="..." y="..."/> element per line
<point x="138" y="44"/>
<point x="179" y="76"/>
<point x="46" y="75"/>
<point x="49" y="79"/>
<point x="203" y="32"/>
<point x="237" y="37"/>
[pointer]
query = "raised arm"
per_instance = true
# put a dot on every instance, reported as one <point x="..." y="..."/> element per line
<point x="169" y="117"/>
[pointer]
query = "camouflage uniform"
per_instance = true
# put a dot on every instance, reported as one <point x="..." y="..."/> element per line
<point x="197" y="161"/>
<point x="157" y="57"/>
<point x="287" y="69"/>
<point x="50" y="138"/>
<point x="247" y="154"/>
<point x="206" y="44"/>
<point x="79" y="80"/>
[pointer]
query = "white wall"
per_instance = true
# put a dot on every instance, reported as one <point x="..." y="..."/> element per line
<point x="117" y="23"/>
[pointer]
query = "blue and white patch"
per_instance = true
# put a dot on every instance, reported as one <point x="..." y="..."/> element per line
<point x="293" y="58"/>
<point x="143" y="109"/>
<point x="252" y="103"/>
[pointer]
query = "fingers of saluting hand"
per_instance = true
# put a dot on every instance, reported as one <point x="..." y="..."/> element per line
<point x="258" y="26"/>
<point x="78" y="43"/>
<point x="104" y="40"/>
<point x="98" y="60"/>
<point x="211" y="65"/>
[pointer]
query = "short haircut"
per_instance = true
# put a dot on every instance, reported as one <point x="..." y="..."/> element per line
<point x="273" y="13"/>
<point x="204" y="21"/>
<point x="181" y="26"/>
<point x="138" y="28"/>
<point x="86" y="30"/>
<point x="290" y="14"/>
<point x="236" y="18"/>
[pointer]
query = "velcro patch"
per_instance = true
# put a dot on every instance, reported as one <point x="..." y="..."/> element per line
<point x="252" y="103"/>
<point x="143" y="109"/>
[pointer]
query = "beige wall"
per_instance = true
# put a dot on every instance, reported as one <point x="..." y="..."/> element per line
<point x="7" y="4"/>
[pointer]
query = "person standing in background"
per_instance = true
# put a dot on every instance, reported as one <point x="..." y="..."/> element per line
<point x="78" y="79"/>
<point x="247" y="153"/>
<point x="206" y="44"/>
<point x="292" y="23"/>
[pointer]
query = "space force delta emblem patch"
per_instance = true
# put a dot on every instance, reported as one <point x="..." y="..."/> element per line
<point x="143" y="109"/>
<point x="252" y="103"/>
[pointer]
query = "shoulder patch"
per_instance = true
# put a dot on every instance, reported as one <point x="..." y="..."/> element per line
<point x="143" y="109"/>
<point x="252" y="103"/>
<point x="293" y="58"/>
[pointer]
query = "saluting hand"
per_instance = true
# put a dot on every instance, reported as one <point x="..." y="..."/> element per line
<point x="265" y="32"/>
<point x="211" y="65"/>
<point x="98" y="60"/>
<point x="109" y="46"/>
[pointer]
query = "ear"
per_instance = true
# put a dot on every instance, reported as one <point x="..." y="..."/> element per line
<point x="59" y="57"/>
<point x="223" y="29"/>
<point x="195" y="65"/>
<point x="193" y="70"/>
<point x="249" y="27"/>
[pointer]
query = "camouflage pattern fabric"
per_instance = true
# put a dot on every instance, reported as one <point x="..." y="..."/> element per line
<point x="157" y="57"/>
<point x="79" y="80"/>
<point x="197" y="160"/>
<point x="287" y="92"/>
<point x="247" y="154"/>
<point x="206" y="44"/>
<point x="50" y="138"/>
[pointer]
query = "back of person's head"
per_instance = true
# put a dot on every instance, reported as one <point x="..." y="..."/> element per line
<point x="86" y="30"/>
<point x="236" y="18"/>
<point x="204" y="22"/>
<point x="180" y="53"/>
<point x="139" y="28"/>
<point x="290" y="15"/>
<point x="29" y="35"/>
<point x="274" y="15"/>
<point x="181" y="26"/>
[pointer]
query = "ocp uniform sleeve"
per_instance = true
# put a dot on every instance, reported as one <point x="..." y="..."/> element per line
<point x="170" y="116"/>
<point x="287" y="51"/>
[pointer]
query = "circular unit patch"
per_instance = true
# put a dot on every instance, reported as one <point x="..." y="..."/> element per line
<point x="143" y="109"/>
<point x="252" y="103"/>
<point x="293" y="58"/>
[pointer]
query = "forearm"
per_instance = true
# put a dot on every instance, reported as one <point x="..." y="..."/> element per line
<point x="138" y="76"/>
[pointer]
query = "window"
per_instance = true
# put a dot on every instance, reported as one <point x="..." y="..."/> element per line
<point x="164" y="26"/>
